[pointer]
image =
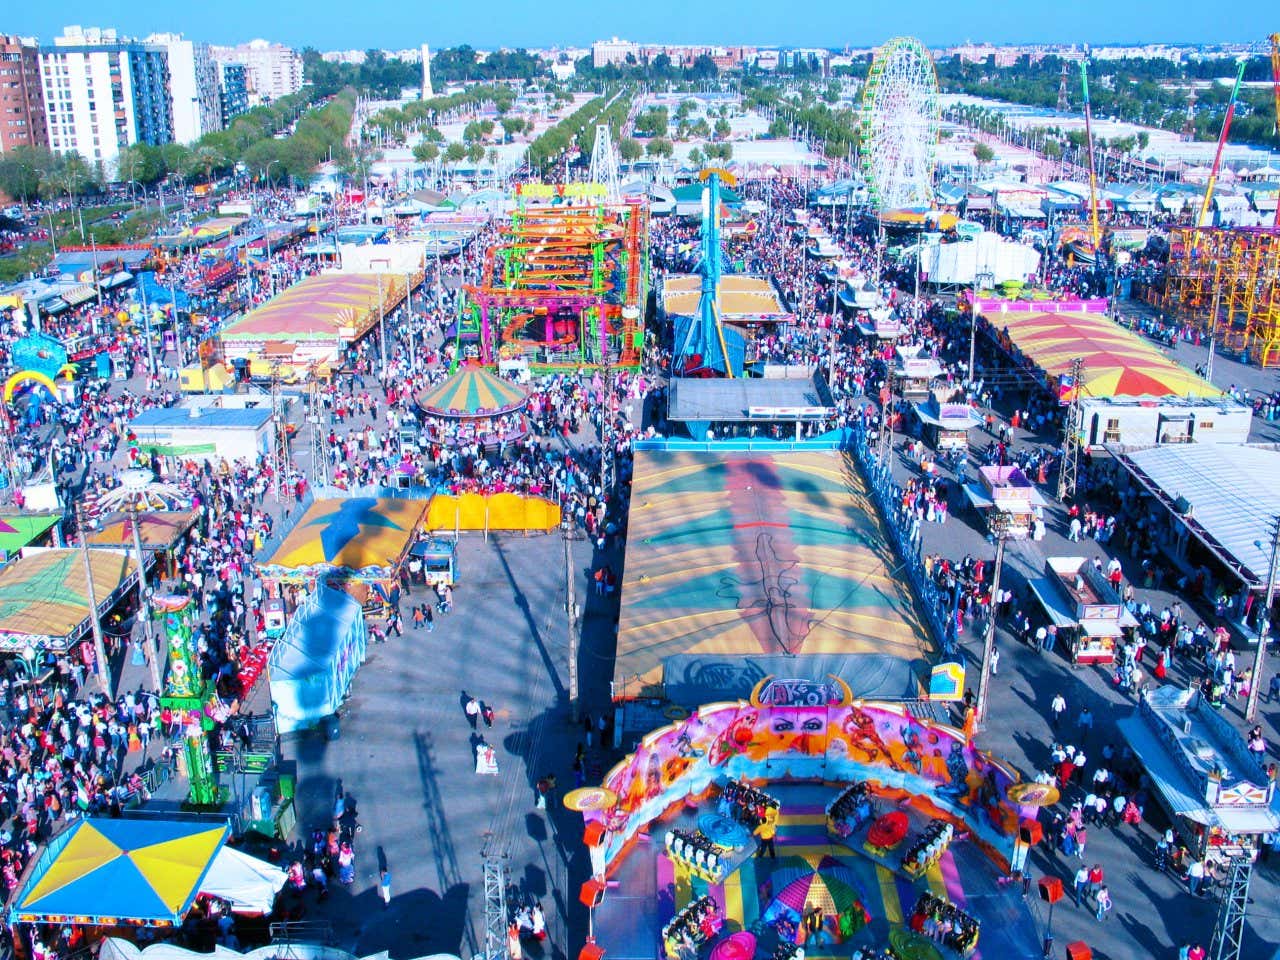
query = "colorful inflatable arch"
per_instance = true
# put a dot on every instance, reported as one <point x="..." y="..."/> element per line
<point x="28" y="376"/>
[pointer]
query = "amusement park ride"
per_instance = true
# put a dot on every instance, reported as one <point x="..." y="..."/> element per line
<point x="705" y="347"/>
<point x="565" y="284"/>
<point x="1226" y="281"/>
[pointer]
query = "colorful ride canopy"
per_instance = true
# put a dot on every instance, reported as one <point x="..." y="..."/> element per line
<point x="108" y="872"/>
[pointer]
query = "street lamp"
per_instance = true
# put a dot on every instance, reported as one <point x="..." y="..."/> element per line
<point x="978" y="279"/>
<point x="382" y="313"/>
<point x="1264" y="624"/>
<point x="1000" y="530"/>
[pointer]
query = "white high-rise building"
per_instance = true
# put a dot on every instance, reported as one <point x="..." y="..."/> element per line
<point x="274" y="71"/>
<point x="427" y="92"/>
<point x="193" y="83"/>
<point x="103" y="92"/>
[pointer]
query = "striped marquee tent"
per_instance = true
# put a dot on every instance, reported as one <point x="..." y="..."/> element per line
<point x="473" y="392"/>
<point x="1116" y="362"/>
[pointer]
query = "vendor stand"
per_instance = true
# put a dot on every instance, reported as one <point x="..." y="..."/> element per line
<point x="1079" y="601"/>
<point x="438" y="557"/>
<point x="1218" y="795"/>
<point x="914" y="374"/>
<point x="1007" y="501"/>
<point x="946" y="420"/>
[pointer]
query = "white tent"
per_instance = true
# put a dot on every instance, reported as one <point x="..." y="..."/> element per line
<point x="313" y="664"/>
<point x="986" y="253"/>
<point x="114" y="948"/>
<point x="250" y="885"/>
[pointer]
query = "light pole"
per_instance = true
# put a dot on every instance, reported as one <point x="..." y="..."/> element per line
<point x="1000" y="529"/>
<point x="978" y="277"/>
<point x="1264" y="625"/>
<point x="95" y="626"/>
<point x="382" y="314"/>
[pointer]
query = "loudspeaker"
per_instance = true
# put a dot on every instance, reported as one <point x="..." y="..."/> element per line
<point x="1050" y="889"/>
<point x="1030" y="832"/>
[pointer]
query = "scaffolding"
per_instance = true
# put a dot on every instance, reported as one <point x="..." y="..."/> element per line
<point x="1228" y="932"/>
<point x="565" y="284"/>
<point x="1226" y="282"/>
<point x="495" y="905"/>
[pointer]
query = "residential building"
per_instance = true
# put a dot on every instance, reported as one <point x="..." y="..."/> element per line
<point x="273" y="70"/>
<point x="21" y="98"/>
<point x="605" y="52"/>
<point x="103" y="92"/>
<point x="193" y="85"/>
<point x="233" y="90"/>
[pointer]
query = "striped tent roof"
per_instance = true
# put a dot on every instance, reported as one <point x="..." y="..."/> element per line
<point x="473" y="392"/>
<point x="1116" y="362"/>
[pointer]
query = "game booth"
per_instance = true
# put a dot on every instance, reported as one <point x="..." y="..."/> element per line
<point x="805" y="817"/>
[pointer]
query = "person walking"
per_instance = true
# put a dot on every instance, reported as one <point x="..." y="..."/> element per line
<point x="1085" y="723"/>
<point x="473" y="711"/>
<point x="1103" y="901"/>
<point x="995" y="660"/>
<point x="384" y="887"/>
<point x="767" y="830"/>
<point x="1056" y="709"/>
<point x="1082" y="884"/>
<point x="1195" y="877"/>
<point x="429" y="617"/>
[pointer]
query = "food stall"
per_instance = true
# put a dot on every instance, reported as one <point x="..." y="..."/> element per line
<point x="1078" y="600"/>
<point x="1218" y="795"/>
<point x="946" y="419"/>
<point x="439" y="557"/>
<point x="1006" y="499"/>
<point x="913" y="374"/>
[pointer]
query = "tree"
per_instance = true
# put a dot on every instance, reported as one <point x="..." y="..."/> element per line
<point x="983" y="154"/>
<point x="455" y="153"/>
<point x="723" y="129"/>
<point x="1143" y="139"/>
<point x="20" y="171"/>
<point x="426" y="152"/>
<point x="686" y="109"/>
<point x="659" y="147"/>
<point x="475" y="153"/>
<point x="779" y="129"/>
<point x="696" y="158"/>
<point x="66" y="175"/>
<point x="511" y="126"/>
<point x="630" y="149"/>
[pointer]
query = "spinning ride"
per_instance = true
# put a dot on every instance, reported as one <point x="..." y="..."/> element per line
<point x="898" y="122"/>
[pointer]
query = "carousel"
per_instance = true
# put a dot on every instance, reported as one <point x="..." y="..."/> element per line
<point x="474" y="406"/>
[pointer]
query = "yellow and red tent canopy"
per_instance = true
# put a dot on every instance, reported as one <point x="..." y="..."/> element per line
<point x="106" y="871"/>
<point x="321" y="308"/>
<point x="1116" y="363"/>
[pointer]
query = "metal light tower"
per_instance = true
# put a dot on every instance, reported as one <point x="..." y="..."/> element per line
<point x="1264" y="626"/>
<point x="604" y="165"/>
<point x="1228" y="931"/>
<point x="1071" y="436"/>
<point x="1000" y="529"/>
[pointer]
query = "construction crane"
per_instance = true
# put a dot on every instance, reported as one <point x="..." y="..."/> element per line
<point x="1275" y="80"/>
<point x="1222" y="142"/>
<point x="1095" y="232"/>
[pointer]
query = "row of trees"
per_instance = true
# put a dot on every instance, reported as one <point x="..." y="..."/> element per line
<point x="385" y="77"/>
<point x="1152" y="92"/>
<point x="578" y="129"/>
<point x="259" y="139"/>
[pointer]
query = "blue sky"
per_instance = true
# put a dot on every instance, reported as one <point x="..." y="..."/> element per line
<point x="344" y="24"/>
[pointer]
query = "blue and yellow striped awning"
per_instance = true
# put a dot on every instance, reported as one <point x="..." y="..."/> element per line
<point x="473" y="392"/>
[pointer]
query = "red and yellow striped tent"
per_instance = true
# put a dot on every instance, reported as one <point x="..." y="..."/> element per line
<point x="1116" y="362"/>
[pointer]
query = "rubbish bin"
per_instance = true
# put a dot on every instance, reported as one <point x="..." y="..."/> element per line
<point x="332" y="729"/>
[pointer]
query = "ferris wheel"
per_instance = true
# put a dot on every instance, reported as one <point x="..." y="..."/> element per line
<point x="899" y="125"/>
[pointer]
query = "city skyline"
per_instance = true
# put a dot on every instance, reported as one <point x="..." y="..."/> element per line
<point x="325" y="25"/>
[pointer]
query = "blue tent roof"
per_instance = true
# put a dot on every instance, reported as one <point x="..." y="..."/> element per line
<point x="104" y="871"/>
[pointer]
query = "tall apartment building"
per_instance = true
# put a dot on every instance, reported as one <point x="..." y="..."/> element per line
<point x="273" y="70"/>
<point x="605" y="52"/>
<point x="193" y="85"/>
<point x="233" y="90"/>
<point x="102" y="93"/>
<point x="21" y="99"/>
